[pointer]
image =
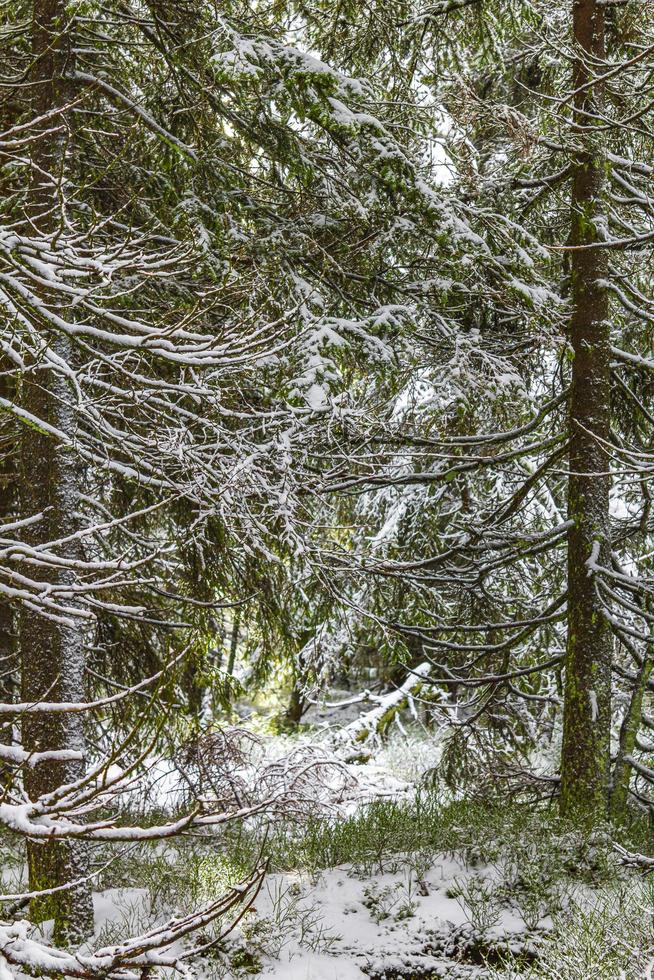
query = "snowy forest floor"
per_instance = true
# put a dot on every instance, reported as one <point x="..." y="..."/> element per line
<point x="396" y="881"/>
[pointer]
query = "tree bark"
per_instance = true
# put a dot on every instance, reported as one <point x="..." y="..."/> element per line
<point x="233" y="643"/>
<point x="296" y="706"/>
<point x="52" y="652"/>
<point x="8" y="665"/>
<point x="585" y="758"/>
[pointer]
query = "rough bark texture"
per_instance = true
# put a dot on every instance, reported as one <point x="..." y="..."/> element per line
<point x="52" y="654"/>
<point x="587" y="699"/>
<point x="8" y="672"/>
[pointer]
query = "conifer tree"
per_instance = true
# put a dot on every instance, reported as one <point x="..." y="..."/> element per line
<point x="183" y="309"/>
<point x="585" y="753"/>
<point x="513" y="470"/>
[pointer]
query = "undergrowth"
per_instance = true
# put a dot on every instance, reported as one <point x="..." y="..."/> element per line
<point x="532" y="839"/>
<point x="371" y="838"/>
<point x="599" y="917"/>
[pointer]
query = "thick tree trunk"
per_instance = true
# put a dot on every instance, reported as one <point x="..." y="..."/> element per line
<point x="52" y="653"/>
<point x="587" y="701"/>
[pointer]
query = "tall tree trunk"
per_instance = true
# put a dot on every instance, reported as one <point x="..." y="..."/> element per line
<point x="587" y="700"/>
<point x="8" y="671"/>
<point x="228" y="686"/>
<point x="52" y="652"/>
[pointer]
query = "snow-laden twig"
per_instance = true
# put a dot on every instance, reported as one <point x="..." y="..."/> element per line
<point x="127" y="960"/>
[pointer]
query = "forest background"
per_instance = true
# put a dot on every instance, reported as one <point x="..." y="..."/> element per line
<point x="326" y="366"/>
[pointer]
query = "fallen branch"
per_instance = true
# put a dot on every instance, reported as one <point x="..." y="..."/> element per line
<point x="372" y="724"/>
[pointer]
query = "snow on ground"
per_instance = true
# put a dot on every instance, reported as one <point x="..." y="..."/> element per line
<point x="345" y="926"/>
<point x="115" y="906"/>
<point x="348" y="923"/>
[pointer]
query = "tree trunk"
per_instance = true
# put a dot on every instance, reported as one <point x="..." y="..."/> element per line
<point x="52" y="652"/>
<point x="8" y="671"/>
<point x="233" y="643"/>
<point x="296" y="706"/>
<point x="587" y="700"/>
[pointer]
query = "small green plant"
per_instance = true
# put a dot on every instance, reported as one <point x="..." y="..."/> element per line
<point x="132" y="920"/>
<point x="292" y="918"/>
<point x="380" y="901"/>
<point x="406" y="910"/>
<point x="533" y="905"/>
<point x="396" y="900"/>
<point x="480" y="901"/>
<point x="533" y="882"/>
<point x="605" y="936"/>
<point x="419" y="862"/>
<point x="244" y="961"/>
